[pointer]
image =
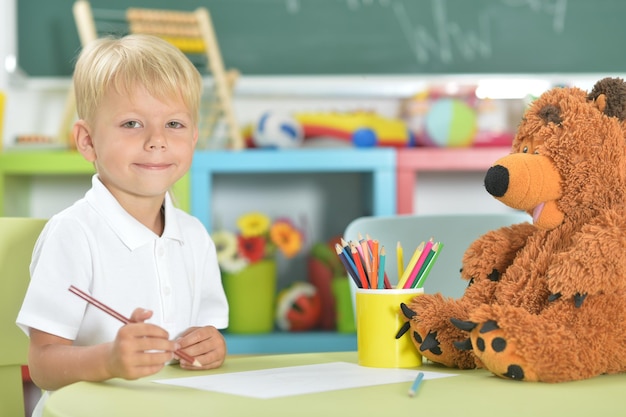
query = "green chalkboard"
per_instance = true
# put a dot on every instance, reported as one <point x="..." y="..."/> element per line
<point x="332" y="37"/>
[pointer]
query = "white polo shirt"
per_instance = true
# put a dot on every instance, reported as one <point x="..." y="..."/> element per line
<point x="98" y="247"/>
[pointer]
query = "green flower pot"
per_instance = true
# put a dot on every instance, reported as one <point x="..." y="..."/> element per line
<point x="251" y="295"/>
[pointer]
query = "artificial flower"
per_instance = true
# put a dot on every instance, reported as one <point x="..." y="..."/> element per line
<point x="253" y="224"/>
<point x="225" y="245"/>
<point x="227" y="252"/>
<point x="252" y="248"/>
<point x="286" y="237"/>
<point x="234" y="265"/>
<point x="257" y="238"/>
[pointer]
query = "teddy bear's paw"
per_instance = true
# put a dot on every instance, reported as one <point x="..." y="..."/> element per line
<point x="498" y="353"/>
<point x="578" y="298"/>
<point x="429" y="345"/>
<point x="474" y="275"/>
<point x="425" y="341"/>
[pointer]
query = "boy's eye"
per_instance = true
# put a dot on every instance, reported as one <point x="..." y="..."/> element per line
<point x="132" y="124"/>
<point x="174" y="124"/>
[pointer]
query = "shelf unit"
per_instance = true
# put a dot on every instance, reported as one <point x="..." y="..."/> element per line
<point x="411" y="161"/>
<point x="290" y="342"/>
<point x="379" y="163"/>
<point x="18" y="168"/>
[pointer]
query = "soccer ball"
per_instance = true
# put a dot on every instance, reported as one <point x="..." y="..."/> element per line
<point x="275" y="130"/>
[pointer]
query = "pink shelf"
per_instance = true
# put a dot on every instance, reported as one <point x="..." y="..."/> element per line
<point x="411" y="161"/>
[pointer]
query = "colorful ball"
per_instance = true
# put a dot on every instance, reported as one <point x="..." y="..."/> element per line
<point x="275" y="130"/>
<point x="364" y="138"/>
<point x="449" y="123"/>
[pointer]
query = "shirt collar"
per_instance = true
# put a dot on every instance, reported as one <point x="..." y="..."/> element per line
<point x="131" y="232"/>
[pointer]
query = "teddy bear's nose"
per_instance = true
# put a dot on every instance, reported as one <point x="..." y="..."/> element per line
<point x="497" y="180"/>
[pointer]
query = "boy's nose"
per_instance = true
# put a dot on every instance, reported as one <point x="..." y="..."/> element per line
<point x="156" y="141"/>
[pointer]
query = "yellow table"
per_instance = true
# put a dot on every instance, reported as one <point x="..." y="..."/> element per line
<point x="471" y="393"/>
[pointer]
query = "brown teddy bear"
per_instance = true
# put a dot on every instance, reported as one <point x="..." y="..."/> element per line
<point x="546" y="301"/>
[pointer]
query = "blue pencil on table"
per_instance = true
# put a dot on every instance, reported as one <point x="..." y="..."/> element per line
<point x="416" y="384"/>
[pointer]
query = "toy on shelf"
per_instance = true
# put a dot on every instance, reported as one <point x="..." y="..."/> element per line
<point x="322" y="269"/>
<point x="35" y="141"/>
<point x="438" y="118"/>
<point x="192" y="32"/>
<point x="275" y="130"/>
<point x="449" y="122"/>
<point x="298" y="307"/>
<point x="359" y="128"/>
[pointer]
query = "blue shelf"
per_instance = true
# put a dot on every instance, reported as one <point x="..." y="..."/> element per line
<point x="290" y="342"/>
<point x="380" y="163"/>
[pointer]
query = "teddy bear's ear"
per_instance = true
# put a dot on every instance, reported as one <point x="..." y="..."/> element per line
<point x="609" y="95"/>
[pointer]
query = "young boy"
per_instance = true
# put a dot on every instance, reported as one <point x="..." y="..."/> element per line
<point x="125" y="243"/>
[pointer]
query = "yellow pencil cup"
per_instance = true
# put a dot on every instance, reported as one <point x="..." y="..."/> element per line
<point x="251" y="295"/>
<point x="378" y="319"/>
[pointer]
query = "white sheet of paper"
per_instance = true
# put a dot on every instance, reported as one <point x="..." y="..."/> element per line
<point x="298" y="380"/>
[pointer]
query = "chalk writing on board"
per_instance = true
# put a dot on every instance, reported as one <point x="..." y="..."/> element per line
<point x="445" y="39"/>
<point x="555" y="8"/>
<point x="448" y="36"/>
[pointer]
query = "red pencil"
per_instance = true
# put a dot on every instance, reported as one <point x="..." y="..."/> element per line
<point x="359" y="266"/>
<point x="123" y="319"/>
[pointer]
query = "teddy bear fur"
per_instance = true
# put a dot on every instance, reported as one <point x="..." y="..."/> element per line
<point x="546" y="300"/>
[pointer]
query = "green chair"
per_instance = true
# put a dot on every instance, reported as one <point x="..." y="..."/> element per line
<point x="455" y="231"/>
<point x="17" y="239"/>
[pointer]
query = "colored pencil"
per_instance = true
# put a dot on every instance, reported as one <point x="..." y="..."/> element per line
<point x="359" y="249"/>
<point x="422" y="268"/>
<point x="418" y="265"/>
<point x="348" y="255"/>
<point x="412" y="262"/>
<point x="359" y="266"/>
<point x="416" y="384"/>
<point x="346" y="264"/>
<point x="386" y="282"/>
<point x="123" y="319"/>
<point x="375" y="266"/>
<point x="400" y="258"/>
<point x="424" y="276"/>
<point x="367" y="256"/>
<point x="381" y="269"/>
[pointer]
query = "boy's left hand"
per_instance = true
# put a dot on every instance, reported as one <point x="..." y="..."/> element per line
<point x="205" y="344"/>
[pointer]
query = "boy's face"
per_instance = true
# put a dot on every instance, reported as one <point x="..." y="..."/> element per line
<point x="140" y="145"/>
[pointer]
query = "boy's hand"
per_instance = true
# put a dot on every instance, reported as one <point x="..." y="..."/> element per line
<point x="139" y="349"/>
<point x="205" y="344"/>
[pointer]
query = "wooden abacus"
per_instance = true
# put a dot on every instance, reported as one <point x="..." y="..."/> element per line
<point x="193" y="33"/>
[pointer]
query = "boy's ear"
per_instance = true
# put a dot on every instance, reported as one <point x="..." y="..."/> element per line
<point x="195" y="136"/>
<point x="84" y="143"/>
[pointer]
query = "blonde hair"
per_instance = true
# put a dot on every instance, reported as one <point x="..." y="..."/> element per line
<point x="131" y="61"/>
